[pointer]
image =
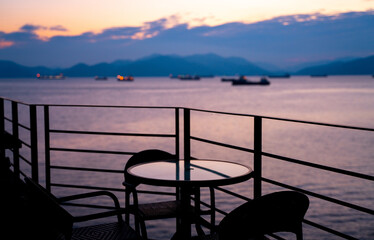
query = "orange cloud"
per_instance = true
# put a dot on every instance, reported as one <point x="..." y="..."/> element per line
<point x="5" y="44"/>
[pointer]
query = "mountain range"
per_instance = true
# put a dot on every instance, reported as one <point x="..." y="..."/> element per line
<point x="202" y="64"/>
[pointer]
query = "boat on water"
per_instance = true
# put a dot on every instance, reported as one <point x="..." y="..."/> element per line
<point x="125" y="78"/>
<point x="101" y="78"/>
<point x="185" y="77"/>
<point x="189" y="77"/>
<point x="263" y="81"/>
<point x="50" y="77"/>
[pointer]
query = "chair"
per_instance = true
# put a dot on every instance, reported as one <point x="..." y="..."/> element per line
<point x="157" y="210"/>
<point x="47" y="213"/>
<point x="276" y="212"/>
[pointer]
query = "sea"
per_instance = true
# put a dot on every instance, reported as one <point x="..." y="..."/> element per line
<point x="340" y="100"/>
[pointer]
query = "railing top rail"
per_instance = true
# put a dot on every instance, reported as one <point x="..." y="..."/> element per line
<point x="12" y="100"/>
<point x="200" y="110"/>
<point x="284" y="119"/>
<point x="104" y="106"/>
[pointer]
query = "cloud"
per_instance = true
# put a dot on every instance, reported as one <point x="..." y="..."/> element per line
<point x="58" y="28"/>
<point x="31" y="28"/>
<point x="281" y="41"/>
<point x="25" y="37"/>
<point x="117" y="33"/>
<point x="5" y="43"/>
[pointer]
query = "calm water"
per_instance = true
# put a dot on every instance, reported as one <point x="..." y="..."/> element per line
<point x="347" y="100"/>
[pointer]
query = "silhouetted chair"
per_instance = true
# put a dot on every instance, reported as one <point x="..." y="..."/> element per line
<point x="52" y="221"/>
<point x="276" y="212"/>
<point x="157" y="210"/>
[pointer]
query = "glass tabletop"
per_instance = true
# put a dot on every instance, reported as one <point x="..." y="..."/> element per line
<point x="197" y="172"/>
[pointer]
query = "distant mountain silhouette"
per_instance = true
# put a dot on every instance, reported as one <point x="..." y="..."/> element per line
<point x="202" y="64"/>
<point x="361" y="66"/>
<point x="154" y="65"/>
<point x="10" y="69"/>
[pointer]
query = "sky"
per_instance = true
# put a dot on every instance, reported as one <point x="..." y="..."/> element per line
<point x="27" y="26"/>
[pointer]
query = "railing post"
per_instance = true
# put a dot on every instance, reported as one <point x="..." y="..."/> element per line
<point x="34" y="143"/>
<point x="2" y="133"/>
<point x="47" y="149"/>
<point x="257" y="165"/>
<point x="16" y="166"/>
<point x="177" y="134"/>
<point x="187" y="135"/>
<point x="186" y="192"/>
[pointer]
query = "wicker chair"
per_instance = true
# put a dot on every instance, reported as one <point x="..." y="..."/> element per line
<point x="276" y="212"/>
<point x="54" y="222"/>
<point x="159" y="210"/>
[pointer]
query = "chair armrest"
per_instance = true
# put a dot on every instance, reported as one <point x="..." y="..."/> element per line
<point x="117" y="212"/>
<point x="90" y="194"/>
<point x="101" y="215"/>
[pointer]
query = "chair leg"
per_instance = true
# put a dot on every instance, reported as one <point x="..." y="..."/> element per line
<point x="212" y="210"/>
<point x="143" y="229"/>
<point x="299" y="233"/>
<point x="127" y="205"/>
<point x="199" y="230"/>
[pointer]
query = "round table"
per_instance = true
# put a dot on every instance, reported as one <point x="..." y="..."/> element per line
<point x="189" y="174"/>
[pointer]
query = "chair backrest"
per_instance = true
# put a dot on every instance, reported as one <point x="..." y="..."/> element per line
<point x="149" y="155"/>
<point x="52" y="219"/>
<point x="275" y="212"/>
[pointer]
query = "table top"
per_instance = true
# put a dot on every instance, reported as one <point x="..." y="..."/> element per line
<point x="200" y="172"/>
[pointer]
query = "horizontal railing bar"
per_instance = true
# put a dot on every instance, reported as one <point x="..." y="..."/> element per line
<point x="275" y="236"/>
<point x="329" y="199"/>
<point x="25" y="143"/>
<point x="222" y="144"/>
<point x="24" y="126"/>
<point x="109" y="189"/>
<point x="111" y="133"/>
<point x="8" y="119"/>
<point x="321" y="124"/>
<point x="90" y="151"/>
<point x="23" y="174"/>
<point x="11" y="100"/>
<point x="209" y="206"/>
<point x="284" y="119"/>
<point x="200" y="110"/>
<point x="86" y="169"/>
<point x="329" y="230"/>
<point x="156" y="192"/>
<point x="323" y="167"/>
<point x="24" y="159"/>
<point x="232" y="193"/>
<point x="19" y="124"/>
<point x="87" y="187"/>
<point x="223" y="113"/>
<point x="104" y="106"/>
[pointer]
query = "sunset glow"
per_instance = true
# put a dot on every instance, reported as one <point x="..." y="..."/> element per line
<point x="280" y="33"/>
<point x="76" y="17"/>
<point x="4" y="44"/>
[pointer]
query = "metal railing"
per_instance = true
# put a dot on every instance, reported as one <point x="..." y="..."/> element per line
<point x="188" y="137"/>
<point x="257" y="164"/>
<point x="31" y="144"/>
